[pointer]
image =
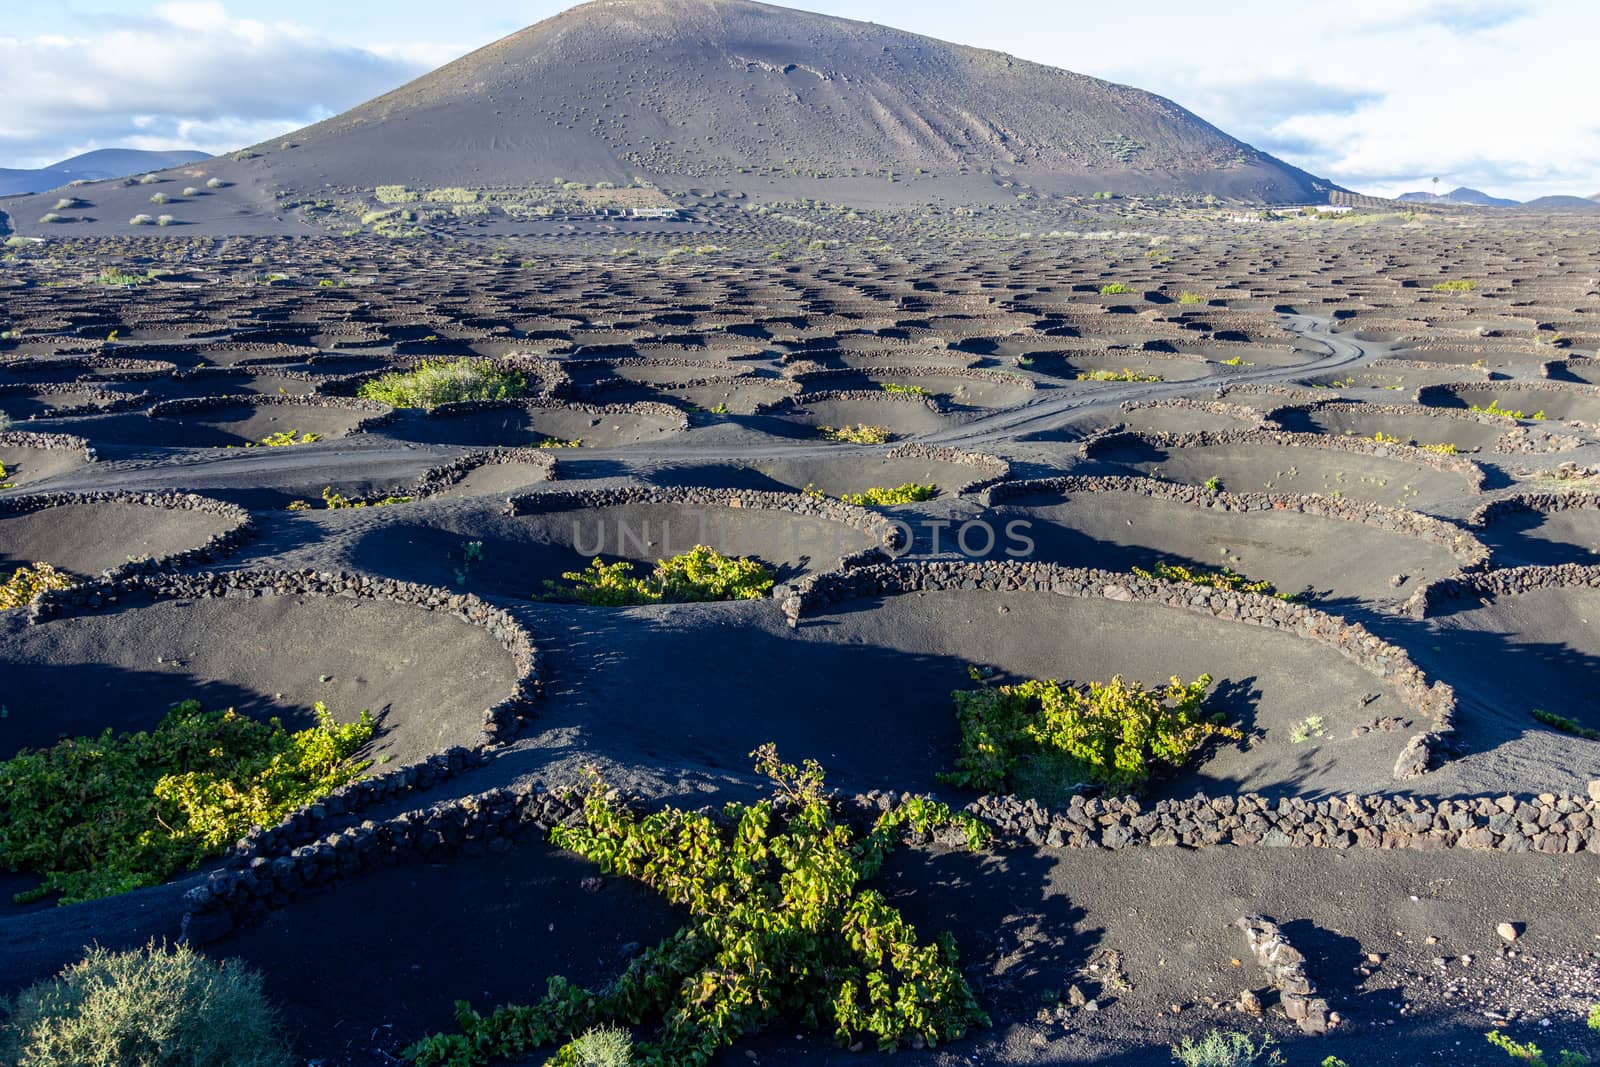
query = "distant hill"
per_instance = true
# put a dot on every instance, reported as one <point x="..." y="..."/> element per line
<point x="92" y="166"/>
<point x="749" y="98"/>
<point x="1462" y="195"/>
<point x="1563" y="203"/>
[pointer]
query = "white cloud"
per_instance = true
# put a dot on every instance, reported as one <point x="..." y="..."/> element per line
<point x="189" y="75"/>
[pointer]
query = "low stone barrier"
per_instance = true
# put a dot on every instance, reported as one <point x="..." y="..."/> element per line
<point x="1469" y="552"/>
<point x="1434" y="702"/>
<point x="1104" y="442"/>
<point x="646" y="408"/>
<point x="992" y="468"/>
<point x="379" y="415"/>
<point x="1508" y="582"/>
<point x="1535" y="503"/>
<point x="215" y="546"/>
<point x="114" y="400"/>
<point x="48" y="442"/>
<point x="1253" y="417"/>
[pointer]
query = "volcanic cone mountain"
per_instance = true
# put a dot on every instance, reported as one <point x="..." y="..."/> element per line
<point x="733" y="95"/>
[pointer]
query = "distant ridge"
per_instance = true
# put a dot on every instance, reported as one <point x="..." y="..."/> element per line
<point x="1462" y="195"/>
<point x="92" y="166"/>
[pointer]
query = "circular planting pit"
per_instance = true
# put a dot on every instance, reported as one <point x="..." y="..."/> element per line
<point x="29" y="458"/>
<point x="1329" y="552"/>
<point x="21" y="403"/>
<point x="1254" y="461"/>
<point x="427" y="675"/>
<point x="1412" y="424"/>
<point x="1158" y="416"/>
<point x="977" y="390"/>
<point x="526" y="423"/>
<point x="238" y="421"/>
<point x="552" y="533"/>
<point x="85" y="535"/>
<point x="297" y="381"/>
<point x="1089" y="366"/>
<point x="948" y="470"/>
<point x="1542" y="529"/>
<point x="1554" y="400"/>
<point x="1401" y="377"/>
<point x="864" y="686"/>
<point x="743" y="394"/>
<point x="1517" y="641"/>
<point x="806" y="416"/>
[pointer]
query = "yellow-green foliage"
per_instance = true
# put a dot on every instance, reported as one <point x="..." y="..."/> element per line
<point x="902" y="390"/>
<point x="1458" y="285"/>
<point x="558" y="442"/>
<point x="698" y="575"/>
<point x="1495" y="409"/>
<point x="145" y="806"/>
<point x="1114" y="289"/>
<point x="1038" y="736"/>
<point x="1532" y="1054"/>
<point x="877" y="496"/>
<point x="394" y="194"/>
<point x="336" y="501"/>
<point x="1385" y="438"/>
<point x="1444" y="448"/>
<point x="445" y="381"/>
<point x="781" y="930"/>
<point x="860" y="434"/>
<point x="1223" y="578"/>
<point x="1566" y="726"/>
<point x="287" y="438"/>
<point x="26" y="583"/>
<point x="3" y="475"/>
<point x="1187" y="297"/>
<point x="158" y="1006"/>
<point x="453" y="195"/>
<point x="1124" y="375"/>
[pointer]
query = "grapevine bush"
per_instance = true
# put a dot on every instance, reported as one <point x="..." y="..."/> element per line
<point x="696" y="576"/>
<point x="878" y="496"/>
<point x="860" y="434"/>
<point x="445" y="381"/>
<point x="26" y="583"/>
<point x="1224" y="578"/>
<point x="1040" y="736"/>
<point x="102" y="815"/>
<point x="781" y="929"/>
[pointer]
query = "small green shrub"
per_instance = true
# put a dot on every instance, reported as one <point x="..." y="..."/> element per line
<point x="116" y="276"/>
<point x="781" y="930"/>
<point x="145" y="806"/>
<point x="878" y="496"/>
<point x="699" y="575"/>
<point x="1114" y="289"/>
<point x="1187" y="297"/>
<point x="860" y="434"/>
<point x="1533" y="1055"/>
<point x="159" y="1006"/>
<point x="1226" y="1048"/>
<point x="393" y="194"/>
<point x="1458" y="285"/>
<point x="5" y="423"/>
<point x="159" y="198"/>
<point x="26" y="583"/>
<point x="1214" y="484"/>
<point x="603" y="1046"/>
<point x="338" y="501"/>
<point x="1124" y="375"/>
<point x="215" y="183"/>
<point x="445" y="381"/>
<point x="1594" y="1018"/>
<point x="557" y="442"/>
<point x="1307" y="728"/>
<point x="1044" y="733"/>
<point x="902" y="390"/>
<point x="1566" y="726"/>
<point x="1444" y="448"/>
<point x="451" y="196"/>
<point x="1495" y="409"/>
<point x="287" y="439"/>
<point x="1221" y="578"/>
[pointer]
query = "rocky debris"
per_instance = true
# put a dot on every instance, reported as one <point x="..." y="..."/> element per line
<point x="1508" y="582"/>
<point x="48" y="442"/>
<point x="1285" y="967"/>
<point x="1509" y="932"/>
<point x="994" y="468"/>
<point x="104" y="402"/>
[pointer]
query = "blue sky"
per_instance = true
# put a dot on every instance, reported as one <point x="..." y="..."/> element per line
<point x="1380" y="95"/>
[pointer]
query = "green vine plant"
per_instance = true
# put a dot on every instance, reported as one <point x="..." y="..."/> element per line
<point x="5" y="477"/>
<point x="1044" y="738"/>
<point x="897" y="389"/>
<point x="1124" y="375"/>
<point x="444" y="381"/>
<point x="781" y="929"/>
<point x="1532" y="1054"/>
<point x="471" y="556"/>
<point x="1220" y="578"/>
<point x="558" y="442"/>
<point x="879" y="496"/>
<point x="334" y="501"/>
<point x="700" y="575"/>
<point x="1496" y="410"/>
<point x="283" y="439"/>
<point x="26" y="583"/>
<point x="145" y="806"/>
<point x="860" y="434"/>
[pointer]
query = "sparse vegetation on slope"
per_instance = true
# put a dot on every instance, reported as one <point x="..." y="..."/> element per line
<point x="879" y="496"/>
<point x="860" y="434"/>
<point x="781" y="929"/>
<point x="26" y="583"/>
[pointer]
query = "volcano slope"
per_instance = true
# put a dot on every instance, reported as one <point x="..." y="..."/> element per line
<point x="1383" y="584"/>
<point x="627" y="104"/>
